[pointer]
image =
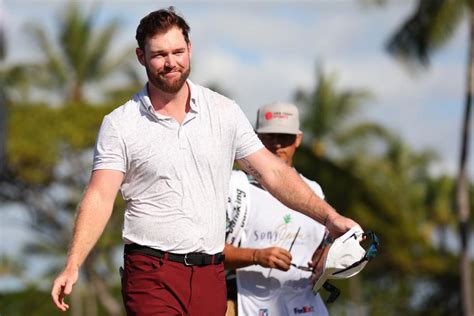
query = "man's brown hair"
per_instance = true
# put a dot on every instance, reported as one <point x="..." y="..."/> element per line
<point x="158" y="22"/>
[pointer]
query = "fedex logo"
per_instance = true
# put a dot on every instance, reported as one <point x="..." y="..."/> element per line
<point x="303" y="310"/>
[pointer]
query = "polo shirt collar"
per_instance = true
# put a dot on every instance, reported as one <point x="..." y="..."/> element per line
<point x="146" y="102"/>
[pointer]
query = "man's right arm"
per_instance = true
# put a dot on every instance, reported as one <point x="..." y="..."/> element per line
<point x="92" y="216"/>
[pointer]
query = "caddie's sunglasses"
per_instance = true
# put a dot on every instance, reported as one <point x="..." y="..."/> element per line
<point x="301" y="267"/>
<point x="284" y="140"/>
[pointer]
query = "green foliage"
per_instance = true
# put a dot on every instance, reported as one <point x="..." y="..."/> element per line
<point x="328" y="113"/>
<point x="38" y="134"/>
<point x="28" y="302"/>
<point x="10" y="266"/>
<point x="79" y="55"/>
<point x="430" y="26"/>
<point x="385" y="185"/>
<point x="45" y="152"/>
<point x="33" y="301"/>
<point x="49" y="154"/>
<point x="328" y="108"/>
<point x="32" y="147"/>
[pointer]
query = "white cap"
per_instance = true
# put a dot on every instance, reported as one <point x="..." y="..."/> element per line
<point x="343" y="252"/>
<point x="278" y="118"/>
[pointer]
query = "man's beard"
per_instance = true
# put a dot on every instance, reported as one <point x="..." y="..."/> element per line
<point x="165" y="85"/>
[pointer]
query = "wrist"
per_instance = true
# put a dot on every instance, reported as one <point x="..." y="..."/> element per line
<point x="329" y="218"/>
<point x="72" y="264"/>
<point x="254" y="257"/>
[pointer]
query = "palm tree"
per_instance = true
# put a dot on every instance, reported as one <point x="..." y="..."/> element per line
<point x="3" y="132"/>
<point x="3" y="110"/>
<point x="63" y="136"/>
<point x="369" y="174"/>
<point x="428" y="28"/>
<point x="328" y="122"/>
<point x="328" y="111"/>
<point x="79" y="56"/>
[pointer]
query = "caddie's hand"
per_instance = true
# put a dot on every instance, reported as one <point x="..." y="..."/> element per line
<point x="338" y="225"/>
<point x="317" y="262"/>
<point x="273" y="257"/>
<point x="315" y="272"/>
<point x="62" y="287"/>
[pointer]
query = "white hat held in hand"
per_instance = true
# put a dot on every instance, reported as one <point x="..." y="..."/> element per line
<point x="344" y="258"/>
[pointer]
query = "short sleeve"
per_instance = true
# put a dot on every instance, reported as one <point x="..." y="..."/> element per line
<point x="109" y="152"/>
<point x="246" y="139"/>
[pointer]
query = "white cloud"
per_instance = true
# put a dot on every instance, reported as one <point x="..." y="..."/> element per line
<point x="263" y="51"/>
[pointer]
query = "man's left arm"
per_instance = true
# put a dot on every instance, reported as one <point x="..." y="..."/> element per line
<point x="271" y="257"/>
<point x="287" y="186"/>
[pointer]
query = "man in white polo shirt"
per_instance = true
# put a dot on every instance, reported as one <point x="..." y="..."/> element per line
<point x="170" y="151"/>
<point x="268" y="243"/>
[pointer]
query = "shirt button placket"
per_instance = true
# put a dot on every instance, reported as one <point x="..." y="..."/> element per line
<point x="182" y="138"/>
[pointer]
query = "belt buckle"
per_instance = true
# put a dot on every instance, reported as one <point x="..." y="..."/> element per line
<point x="186" y="263"/>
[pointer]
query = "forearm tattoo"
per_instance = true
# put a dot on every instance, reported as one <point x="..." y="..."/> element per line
<point x="250" y="169"/>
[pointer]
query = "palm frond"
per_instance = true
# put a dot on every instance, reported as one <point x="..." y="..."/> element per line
<point x="427" y="29"/>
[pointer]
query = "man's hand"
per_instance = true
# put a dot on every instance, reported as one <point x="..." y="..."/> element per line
<point x="273" y="257"/>
<point x="62" y="286"/>
<point x="338" y="225"/>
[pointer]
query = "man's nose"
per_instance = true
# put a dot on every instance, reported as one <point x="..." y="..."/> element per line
<point x="170" y="62"/>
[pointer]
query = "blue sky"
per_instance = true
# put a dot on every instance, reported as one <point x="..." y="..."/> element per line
<point x="261" y="51"/>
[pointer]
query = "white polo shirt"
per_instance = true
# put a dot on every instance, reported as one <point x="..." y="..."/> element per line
<point x="176" y="175"/>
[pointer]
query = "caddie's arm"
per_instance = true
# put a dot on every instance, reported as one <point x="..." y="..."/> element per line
<point x="271" y="257"/>
<point x="288" y="187"/>
<point x="92" y="216"/>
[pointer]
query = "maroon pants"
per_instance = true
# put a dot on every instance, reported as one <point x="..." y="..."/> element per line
<point x="152" y="286"/>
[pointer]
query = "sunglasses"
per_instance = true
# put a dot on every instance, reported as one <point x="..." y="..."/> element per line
<point x="284" y="140"/>
<point x="301" y="267"/>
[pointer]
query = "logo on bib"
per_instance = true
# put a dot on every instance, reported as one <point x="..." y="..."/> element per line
<point x="303" y="310"/>
<point x="263" y="312"/>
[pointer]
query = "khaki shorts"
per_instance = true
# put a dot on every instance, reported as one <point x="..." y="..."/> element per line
<point x="231" y="308"/>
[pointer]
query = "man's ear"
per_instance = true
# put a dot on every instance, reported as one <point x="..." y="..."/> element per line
<point x="140" y="55"/>
<point x="299" y="139"/>
<point x="190" y="49"/>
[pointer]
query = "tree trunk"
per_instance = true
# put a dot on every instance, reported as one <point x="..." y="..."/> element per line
<point x="100" y="289"/>
<point x="3" y="134"/>
<point x="357" y="307"/>
<point x="3" y="112"/>
<point x="77" y="302"/>
<point x="462" y="195"/>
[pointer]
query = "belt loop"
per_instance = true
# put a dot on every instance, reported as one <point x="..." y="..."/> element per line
<point x="165" y="256"/>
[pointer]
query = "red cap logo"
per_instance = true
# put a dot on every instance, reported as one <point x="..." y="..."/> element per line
<point x="268" y="115"/>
